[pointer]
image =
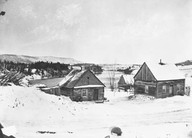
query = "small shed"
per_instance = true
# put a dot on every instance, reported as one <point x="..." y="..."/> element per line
<point x="83" y="85"/>
<point x="126" y="82"/>
<point x="159" y="80"/>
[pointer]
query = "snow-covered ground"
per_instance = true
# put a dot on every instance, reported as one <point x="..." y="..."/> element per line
<point x="187" y="70"/>
<point x="106" y="75"/>
<point x="36" y="114"/>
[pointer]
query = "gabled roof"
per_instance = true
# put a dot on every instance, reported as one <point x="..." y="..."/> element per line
<point x="164" y="72"/>
<point x="73" y="78"/>
<point x="68" y="81"/>
<point x="134" y="72"/>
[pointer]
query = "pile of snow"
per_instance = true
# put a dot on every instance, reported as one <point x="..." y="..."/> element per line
<point x="9" y="131"/>
<point x="141" y="97"/>
<point x="28" y="104"/>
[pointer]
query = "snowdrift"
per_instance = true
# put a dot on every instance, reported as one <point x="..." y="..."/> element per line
<point x="40" y="115"/>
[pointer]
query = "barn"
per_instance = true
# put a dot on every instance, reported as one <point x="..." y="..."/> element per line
<point x="125" y="82"/>
<point x="159" y="80"/>
<point x="82" y="85"/>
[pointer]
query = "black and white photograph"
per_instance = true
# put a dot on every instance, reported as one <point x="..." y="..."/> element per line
<point x="95" y="68"/>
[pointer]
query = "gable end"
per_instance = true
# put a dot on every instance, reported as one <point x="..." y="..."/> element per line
<point x="83" y="79"/>
<point x="145" y="74"/>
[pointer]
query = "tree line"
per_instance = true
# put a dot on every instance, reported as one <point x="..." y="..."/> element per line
<point x="96" y="69"/>
<point x="49" y="69"/>
<point x="53" y="69"/>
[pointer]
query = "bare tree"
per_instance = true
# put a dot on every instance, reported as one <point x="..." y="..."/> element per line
<point x="111" y="73"/>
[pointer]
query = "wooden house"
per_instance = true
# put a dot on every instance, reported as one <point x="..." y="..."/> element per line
<point x="126" y="82"/>
<point x="82" y="85"/>
<point x="159" y="80"/>
<point x="79" y="85"/>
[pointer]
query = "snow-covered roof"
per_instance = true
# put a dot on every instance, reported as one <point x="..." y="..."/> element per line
<point x="77" y="75"/>
<point x="71" y="78"/>
<point x="67" y="78"/>
<point x="50" y="83"/>
<point x="45" y="88"/>
<point x="68" y="81"/>
<point x="165" y="72"/>
<point x="129" y="79"/>
<point x="134" y="71"/>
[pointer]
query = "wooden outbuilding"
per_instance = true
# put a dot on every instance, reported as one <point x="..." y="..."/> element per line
<point x="159" y="80"/>
<point x="82" y="85"/>
<point x="126" y="82"/>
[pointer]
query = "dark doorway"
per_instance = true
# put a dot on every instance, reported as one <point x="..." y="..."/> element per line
<point x="95" y="94"/>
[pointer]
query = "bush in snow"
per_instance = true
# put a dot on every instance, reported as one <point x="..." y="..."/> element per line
<point x="116" y="130"/>
<point x="141" y="97"/>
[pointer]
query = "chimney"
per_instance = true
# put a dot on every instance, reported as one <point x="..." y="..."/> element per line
<point x="161" y="63"/>
<point x="83" y="68"/>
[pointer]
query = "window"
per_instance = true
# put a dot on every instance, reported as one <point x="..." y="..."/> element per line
<point x="164" y="89"/>
<point x="170" y="89"/>
<point x="88" y="80"/>
<point x="84" y="92"/>
<point x="178" y="87"/>
<point x="146" y="89"/>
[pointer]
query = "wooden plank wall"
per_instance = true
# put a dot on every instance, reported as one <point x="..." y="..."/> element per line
<point x="145" y="74"/>
<point x="90" y="95"/>
<point x="178" y="87"/>
<point x="139" y="88"/>
<point x="88" y="79"/>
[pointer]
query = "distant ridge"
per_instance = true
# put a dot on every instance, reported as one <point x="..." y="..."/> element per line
<point x="31" y="59"/>
<point x="185" y="63"/>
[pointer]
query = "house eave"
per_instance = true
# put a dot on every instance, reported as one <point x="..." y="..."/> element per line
<point x="170" y="80"/>
<point x="89" y="86"/>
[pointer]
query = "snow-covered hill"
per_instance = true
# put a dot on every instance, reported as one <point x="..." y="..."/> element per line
<point x="31" y="59"/>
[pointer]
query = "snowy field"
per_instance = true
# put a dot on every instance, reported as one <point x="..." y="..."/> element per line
<point x="106" y="75"/>
<point x="35" y="114"/>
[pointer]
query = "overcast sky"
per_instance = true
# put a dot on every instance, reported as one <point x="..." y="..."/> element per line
<point x="99" y="31"/>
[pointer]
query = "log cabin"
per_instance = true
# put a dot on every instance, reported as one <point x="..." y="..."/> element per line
<point x="79" y="85"/>
<point x="82" y="85"/>
<point x="159" y="80"/>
